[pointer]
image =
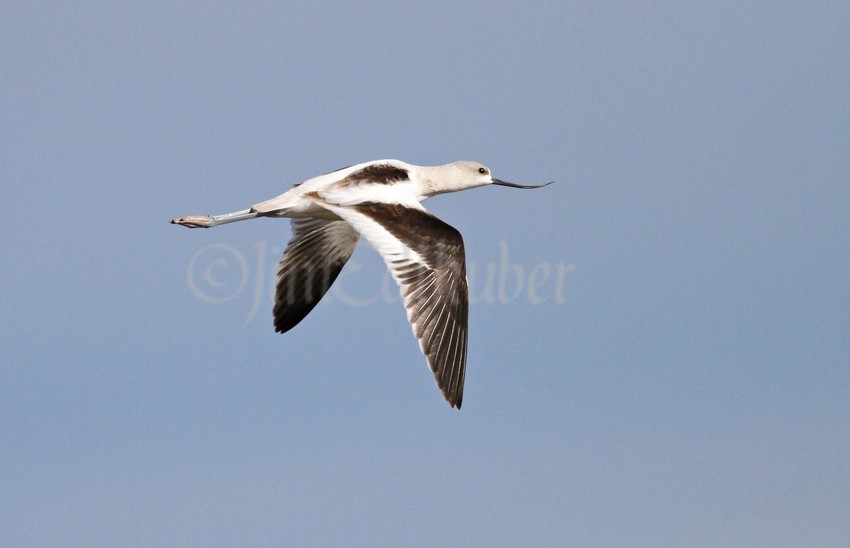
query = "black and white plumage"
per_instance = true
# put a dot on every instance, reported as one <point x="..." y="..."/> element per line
<point x="380" y="201"/>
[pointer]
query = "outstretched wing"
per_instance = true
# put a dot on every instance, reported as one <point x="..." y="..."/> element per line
<point x="312" y="261"/>
<point x="426" y="258"/>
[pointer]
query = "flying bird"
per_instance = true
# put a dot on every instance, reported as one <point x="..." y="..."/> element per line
<point x="380" y="201"/>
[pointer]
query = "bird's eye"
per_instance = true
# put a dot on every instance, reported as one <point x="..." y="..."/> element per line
<point x="482" y="170"/>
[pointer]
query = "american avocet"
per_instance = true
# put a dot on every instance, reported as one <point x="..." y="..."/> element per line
<point x="381" y="201"/>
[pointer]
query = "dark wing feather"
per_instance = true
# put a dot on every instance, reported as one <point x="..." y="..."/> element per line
<point x="436" y="300"/>
<point x="312" y="261"/>
<point x="426" y="258"/>
<point x="382" y="174"/>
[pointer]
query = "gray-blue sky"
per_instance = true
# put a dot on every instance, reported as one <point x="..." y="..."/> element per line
<point x="691" y="388"/>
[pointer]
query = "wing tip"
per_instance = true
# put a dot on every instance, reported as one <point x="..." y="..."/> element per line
<point x="454" y="400"/>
